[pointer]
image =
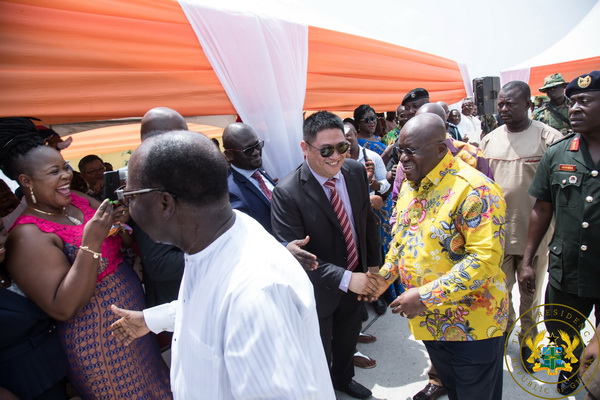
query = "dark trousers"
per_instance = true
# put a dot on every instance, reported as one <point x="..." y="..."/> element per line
<point x="469" y="370"/>
<point x="339" y="333"/>
<point x="566" y="319"/>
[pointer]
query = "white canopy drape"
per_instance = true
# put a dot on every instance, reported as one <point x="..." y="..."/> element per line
<point x="261" y="63"/>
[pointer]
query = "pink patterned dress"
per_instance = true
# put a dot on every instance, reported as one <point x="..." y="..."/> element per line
<point x="100" y="367"/>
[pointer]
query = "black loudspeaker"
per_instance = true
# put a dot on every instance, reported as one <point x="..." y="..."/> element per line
<point x="486" y="94"/>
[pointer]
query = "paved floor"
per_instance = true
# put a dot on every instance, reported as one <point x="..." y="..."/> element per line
<point x="402" y="365"/>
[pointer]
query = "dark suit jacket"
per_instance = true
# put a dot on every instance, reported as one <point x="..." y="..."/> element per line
<point x="162" y="268"/>
<point x="300" y="207"/>
<point x="246" y="197"/>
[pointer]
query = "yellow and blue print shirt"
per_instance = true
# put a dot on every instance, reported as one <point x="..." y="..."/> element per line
<point x="449" y="243"/>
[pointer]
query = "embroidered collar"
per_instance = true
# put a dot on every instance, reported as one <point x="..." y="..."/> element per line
<point x="435" y="176"/>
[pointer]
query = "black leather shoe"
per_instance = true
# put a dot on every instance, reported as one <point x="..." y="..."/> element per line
<point x="355" y="389"/>
<point x="525" y="354"/>
<point x="380" y="307"/>
<point x="430" y="392"/>
<point x="567" y="386"/>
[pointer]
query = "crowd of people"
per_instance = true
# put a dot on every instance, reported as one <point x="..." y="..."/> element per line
<point x="259" y="286"/>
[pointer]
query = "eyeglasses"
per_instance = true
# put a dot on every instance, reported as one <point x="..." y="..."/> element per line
<point x="125" y="195"/>
<point x="327" y="151"/>
<point x="370" y="119"/>
<point x="411" y="152"/>
<point x="248" y="151"/>
<point x="95" y="171"/>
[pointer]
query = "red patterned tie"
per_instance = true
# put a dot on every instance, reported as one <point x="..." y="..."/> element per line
<point x="340" y="211"/>
<point x="262" y="185"/>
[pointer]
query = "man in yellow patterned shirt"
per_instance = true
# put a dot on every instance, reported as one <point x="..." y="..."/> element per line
<point x="447" y="249"/>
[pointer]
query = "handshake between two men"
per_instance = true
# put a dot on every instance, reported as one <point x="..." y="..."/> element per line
<point x="371" y="285"/>
<point x="368" y="286"/>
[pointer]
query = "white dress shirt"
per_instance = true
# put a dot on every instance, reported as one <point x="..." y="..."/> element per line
<point x="470" y="128"/>
<point x="248" y="174"/>
<point x="245" y="323"/>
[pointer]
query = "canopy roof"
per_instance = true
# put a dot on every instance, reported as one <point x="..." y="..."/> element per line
<point x="66" y="61"/>
<point x="575" y="54"/>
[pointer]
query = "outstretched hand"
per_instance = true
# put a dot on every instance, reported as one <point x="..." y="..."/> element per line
<point x="305" y="258"/>
<point x="130" y="326"/>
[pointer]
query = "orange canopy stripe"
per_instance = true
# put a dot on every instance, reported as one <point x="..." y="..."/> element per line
<point x="569" y="70"/>
<point x="70" y="61"/>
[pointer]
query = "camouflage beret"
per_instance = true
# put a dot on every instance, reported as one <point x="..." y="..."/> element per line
<point x="414" y="95"/>
<point x="584" y="83"/>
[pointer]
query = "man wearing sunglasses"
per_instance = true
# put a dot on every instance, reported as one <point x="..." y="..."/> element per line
<point x="447" y="249"/>
<point x="250" y="187"/>
<point x="327" y="197"/>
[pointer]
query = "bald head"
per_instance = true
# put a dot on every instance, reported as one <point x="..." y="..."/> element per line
<point x="238" y="137"/>
<point x="433" y="108"/>
<point x="426" y="126"/>
<point x="445" y="107"/>
<point x="160" y="120"/>
<point x="233" y="133"/>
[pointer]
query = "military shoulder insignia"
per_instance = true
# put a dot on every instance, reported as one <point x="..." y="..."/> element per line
<point x="574" y="144"/>
<point x="567" y="167"/>
<point x="584" y="81"/>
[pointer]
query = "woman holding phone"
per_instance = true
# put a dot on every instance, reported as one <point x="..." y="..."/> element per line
<point x="59" y="255"/>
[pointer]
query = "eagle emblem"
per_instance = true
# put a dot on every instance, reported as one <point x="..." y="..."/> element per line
<point x="584" y="81"/>
<point x="550" y="357"/>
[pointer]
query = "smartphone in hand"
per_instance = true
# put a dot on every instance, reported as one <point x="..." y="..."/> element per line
<point x="111" y="183"/>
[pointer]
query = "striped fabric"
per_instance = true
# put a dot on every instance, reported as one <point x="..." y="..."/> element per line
<point x="338" y="207"/>
<point x="262" y="185"/>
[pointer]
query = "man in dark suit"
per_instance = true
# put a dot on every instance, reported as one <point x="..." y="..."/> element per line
<point x="250" y="187"/>
<point x="162" y="264"/>
<point x="327" y="198"/>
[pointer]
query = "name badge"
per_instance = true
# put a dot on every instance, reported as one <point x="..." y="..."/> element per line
<point x="567" y="167"/>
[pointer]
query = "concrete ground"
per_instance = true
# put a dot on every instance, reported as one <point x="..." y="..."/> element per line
<point x="402" y="365"/>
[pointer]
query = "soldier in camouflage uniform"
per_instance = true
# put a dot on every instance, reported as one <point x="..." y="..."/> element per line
<point x="554" y="112"/>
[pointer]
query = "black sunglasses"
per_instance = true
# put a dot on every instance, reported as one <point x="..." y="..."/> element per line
<point x="327" y="151"/>
<point x="248" y="151"/>
<point x="370" y="119"/>
<point x="411" y="152"/>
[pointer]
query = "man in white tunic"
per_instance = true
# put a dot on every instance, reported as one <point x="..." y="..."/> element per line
<point x="469" y="125"/>
<point x="245" y="323"/>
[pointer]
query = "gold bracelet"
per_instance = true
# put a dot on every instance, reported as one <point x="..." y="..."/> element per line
<point x="95" y="254"/>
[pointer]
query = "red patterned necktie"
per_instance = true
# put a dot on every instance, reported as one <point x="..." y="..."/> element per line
<point x="340" y="211"/>
<point x="262" y="185"/>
